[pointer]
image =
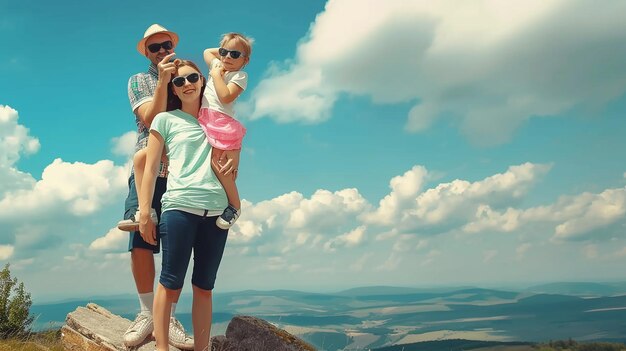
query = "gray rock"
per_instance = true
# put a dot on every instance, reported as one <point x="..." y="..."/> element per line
<point x="253" y="334"/>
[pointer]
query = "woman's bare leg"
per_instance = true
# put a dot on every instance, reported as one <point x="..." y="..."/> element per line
<point x="201" y="316"/>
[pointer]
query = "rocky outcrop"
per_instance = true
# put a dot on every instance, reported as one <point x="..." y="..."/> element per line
<point x="93" y="328"/>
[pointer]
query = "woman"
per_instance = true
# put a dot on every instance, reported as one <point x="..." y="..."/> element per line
<point x="191" y="204"/>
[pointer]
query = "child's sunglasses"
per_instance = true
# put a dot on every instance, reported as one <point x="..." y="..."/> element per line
<point x="180" y="81"/>
<point x="156" y="47"/>
<point x="233" y="53"/>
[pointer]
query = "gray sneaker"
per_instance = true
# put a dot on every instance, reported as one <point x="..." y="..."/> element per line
<point x="138" y="330"/>
<point x="178" y="337"/>
<point x="132" y="224"/>
<point x="228" y="217"/>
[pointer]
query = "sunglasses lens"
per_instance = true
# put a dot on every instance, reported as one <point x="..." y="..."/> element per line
<point x="154" y="47"/>
<point x="223" y="52"/>
<point x="178" y="81"/>
<point x="235" y="54"/>
<point x="192" y="78"/>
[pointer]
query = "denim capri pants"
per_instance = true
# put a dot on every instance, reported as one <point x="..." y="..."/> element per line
<point x="181" y="233"/>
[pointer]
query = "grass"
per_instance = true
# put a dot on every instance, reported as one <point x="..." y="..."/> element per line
<point x="41" y="341"/>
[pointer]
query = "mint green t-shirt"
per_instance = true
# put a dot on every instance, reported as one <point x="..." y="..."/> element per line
<point x="191" y="182"/>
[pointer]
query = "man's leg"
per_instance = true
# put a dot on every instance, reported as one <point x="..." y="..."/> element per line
<point x="142" y="267"/>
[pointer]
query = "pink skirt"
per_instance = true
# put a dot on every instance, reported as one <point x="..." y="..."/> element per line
<point x="222" y="131"/>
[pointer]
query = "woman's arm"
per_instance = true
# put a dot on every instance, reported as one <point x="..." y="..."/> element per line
<point x="147" y="228"/>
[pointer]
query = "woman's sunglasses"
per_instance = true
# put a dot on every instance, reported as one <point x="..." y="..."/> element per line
<point x="180" y="81"/>
<point x="233" y="53"/>
<point x="156" y="47"/>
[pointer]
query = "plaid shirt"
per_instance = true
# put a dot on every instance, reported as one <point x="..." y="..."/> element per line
<point x="141" y="89"/>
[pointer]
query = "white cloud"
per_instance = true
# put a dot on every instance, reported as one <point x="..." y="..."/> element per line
<point x="114" y="240"/>
<point x="493" y="64"/>
<point x="75" y="188"/>
<point x="347" y="240"/>
<point x="404" y="189"/>
<point x="599" y="211"/>
<point x="454" y="204"/>
<point x="6" y="251"/>
<point x="124" y="145"/>
<point x="289" y="221"/>
<point x="326" y="209"/>
<point x="14" y="138"/>
<point x="488" y="219"/>
<point x="14" y="142"/>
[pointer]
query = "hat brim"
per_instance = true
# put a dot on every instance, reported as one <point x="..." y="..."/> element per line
<point x="141" y="46"/>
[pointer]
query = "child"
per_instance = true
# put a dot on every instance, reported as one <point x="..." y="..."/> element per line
<point x="217" y="117"/>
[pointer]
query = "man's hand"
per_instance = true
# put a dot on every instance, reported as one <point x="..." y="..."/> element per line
<point x="166" y="68"/>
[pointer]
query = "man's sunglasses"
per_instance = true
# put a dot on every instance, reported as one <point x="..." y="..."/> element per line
<point x="156" y="47"/>
<point x="233" y="53"/>
<point x="180" y="81"/>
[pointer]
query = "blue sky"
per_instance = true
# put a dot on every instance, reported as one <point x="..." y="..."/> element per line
<point x="389" y="143"/>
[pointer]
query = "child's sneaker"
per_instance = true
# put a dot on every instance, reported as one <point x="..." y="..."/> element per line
<point x="228" y="217"/>
<point x="132" y="224"/>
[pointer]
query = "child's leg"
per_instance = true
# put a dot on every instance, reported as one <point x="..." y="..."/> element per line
<point x="201" y="316"/>
<point x="228" y="181"/>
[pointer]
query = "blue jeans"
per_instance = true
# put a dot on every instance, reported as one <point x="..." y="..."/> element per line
<point x="182" y="232"/>
<point x="130" y="208"/>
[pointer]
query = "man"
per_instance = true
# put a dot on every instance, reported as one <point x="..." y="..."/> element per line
<point x="147" y="92"/>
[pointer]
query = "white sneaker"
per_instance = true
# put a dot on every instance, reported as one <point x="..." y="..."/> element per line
<point x="132" y="224"/>
<point x="178" y="337"/>
<point x="138" y="330"/>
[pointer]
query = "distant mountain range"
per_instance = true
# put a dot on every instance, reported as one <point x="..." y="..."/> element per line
<point x="376" y="317"/>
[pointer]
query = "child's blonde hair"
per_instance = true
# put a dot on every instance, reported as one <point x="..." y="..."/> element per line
<point x="246" y="42"/>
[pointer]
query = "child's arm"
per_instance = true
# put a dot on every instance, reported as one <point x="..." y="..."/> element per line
<point x="226" y="93"/>
<point x="210" y="54"/>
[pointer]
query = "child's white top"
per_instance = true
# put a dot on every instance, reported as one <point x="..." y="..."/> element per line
<point x="210" y="99"/>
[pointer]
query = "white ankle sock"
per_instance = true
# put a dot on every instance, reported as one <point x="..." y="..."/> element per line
<point x="145" y="302"/>
<point x="173" y="309"/>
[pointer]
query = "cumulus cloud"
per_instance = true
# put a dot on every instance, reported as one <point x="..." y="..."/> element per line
<point x="492" y="64"/>
<point x="113" y="240"/>
<point x="295" y="221"/>
<point x="14" y="138"/>
<point x="75" y="188"/>
<point x="599" y="211"/>
<point x="454" y="204"/>
<point x="124" y="145"/>
<point x="350" y="239"/>
<point x="15" y="141"/>
<point x="404" y="189"/>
